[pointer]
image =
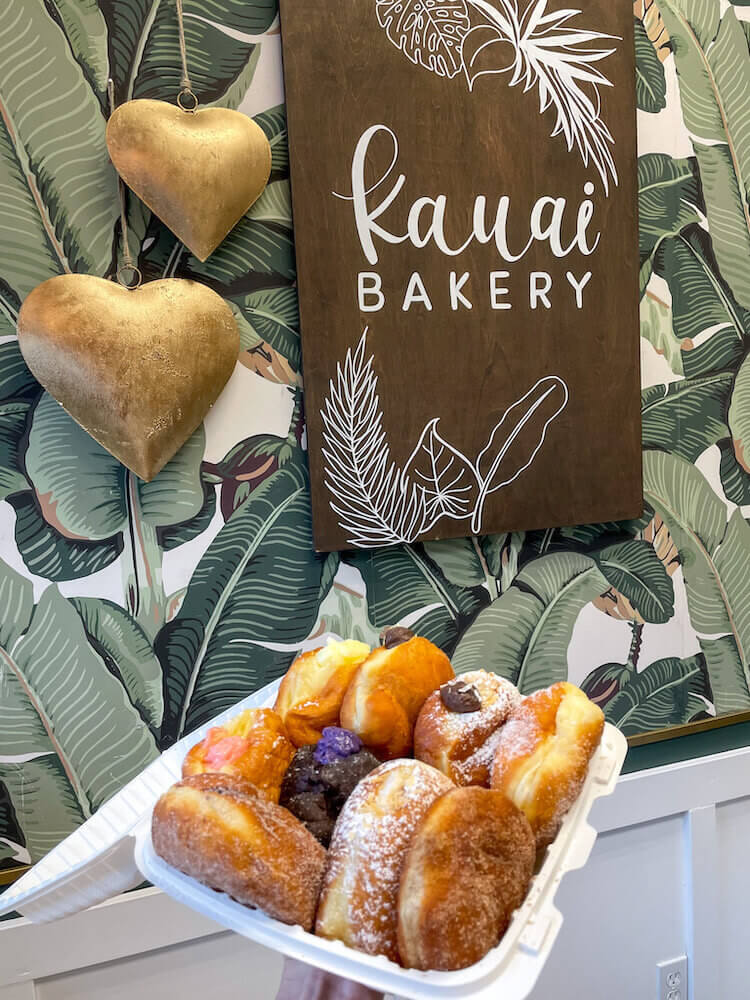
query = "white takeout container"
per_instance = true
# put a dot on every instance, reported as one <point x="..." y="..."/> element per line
<point x="113" y="852"/>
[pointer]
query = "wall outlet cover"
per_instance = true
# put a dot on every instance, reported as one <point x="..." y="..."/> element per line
<point x="673" y="981"/>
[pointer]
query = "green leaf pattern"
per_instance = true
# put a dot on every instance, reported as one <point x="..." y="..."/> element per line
<point x="134" y="612"/>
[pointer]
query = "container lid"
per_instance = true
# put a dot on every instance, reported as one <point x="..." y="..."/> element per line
<point x="112" y="852"/>
<point x="97" y="861"/>
<point x="510" y="970"/>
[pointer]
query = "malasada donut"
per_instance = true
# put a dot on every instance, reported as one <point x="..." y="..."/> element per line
<point x="313" y="688"/>
<point x="455" y="727"/>
<point x="468" y="868"/>
<point x="253" y="745"/>
<point x="543" y="754"/>
<point x="222" y="831"/>
<point x="358" y="904"/>
<point x="388" y="690"/>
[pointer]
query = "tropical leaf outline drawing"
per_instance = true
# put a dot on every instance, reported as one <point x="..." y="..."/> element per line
<point x="428" y="32"/>
<point x="377" y="502"/>
<point x="507" y="454"/>
<point x="447" y="477"/>
<point x="547" y="53"/>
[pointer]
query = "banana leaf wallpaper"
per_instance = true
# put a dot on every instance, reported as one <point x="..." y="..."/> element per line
<point x="131" y="613"/>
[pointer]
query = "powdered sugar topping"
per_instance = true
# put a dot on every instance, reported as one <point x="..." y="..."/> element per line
<point x="499" y="698"/>
<point x="369" y="847"/>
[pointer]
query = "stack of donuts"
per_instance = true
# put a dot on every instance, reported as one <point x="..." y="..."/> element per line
<point x="383" y="801"/>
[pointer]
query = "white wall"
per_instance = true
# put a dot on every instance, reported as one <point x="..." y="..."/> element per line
<point x="669" y="875"/>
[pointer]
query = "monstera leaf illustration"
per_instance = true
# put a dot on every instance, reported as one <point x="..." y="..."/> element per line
<point x="714" y="554"/>
<point x="429" y="32"/>
<point x="60" y="757"/>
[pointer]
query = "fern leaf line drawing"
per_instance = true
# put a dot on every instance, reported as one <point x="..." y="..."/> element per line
<point x="376" y="503"/>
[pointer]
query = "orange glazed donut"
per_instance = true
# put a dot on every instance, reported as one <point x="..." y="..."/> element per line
<point x="454" y="730"/>
<point x="220" y="830"/>
<point x="543" y="755"/>
<point x="313" y="688"/>
<point x="468" y="868"/>
<point x="388" y="691"/>
<point x="358" y="904"/>
<point x="253" y="745"/>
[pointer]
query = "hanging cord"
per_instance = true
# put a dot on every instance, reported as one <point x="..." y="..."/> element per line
<point x="128" y="263"/>
<point x="185" y="84"/>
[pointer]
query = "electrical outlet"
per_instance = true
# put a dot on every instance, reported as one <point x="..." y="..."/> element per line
<point x="673" y="984"/>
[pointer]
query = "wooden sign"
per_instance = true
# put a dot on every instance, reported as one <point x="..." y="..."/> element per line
<point x="464" y="196"/>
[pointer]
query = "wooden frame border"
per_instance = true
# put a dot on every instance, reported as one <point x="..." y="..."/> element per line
<point x="691" y="728"/>
<point x="8" y="875"/>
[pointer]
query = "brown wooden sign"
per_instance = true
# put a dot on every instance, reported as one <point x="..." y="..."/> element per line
<point x="464" y="195"/>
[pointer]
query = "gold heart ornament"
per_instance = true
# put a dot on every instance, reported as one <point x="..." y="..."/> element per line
<point x="137" y="369"/>
<point x="198" y="171"/>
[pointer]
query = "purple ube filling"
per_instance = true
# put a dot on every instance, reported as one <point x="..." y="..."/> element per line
<point x="336" y="744"/>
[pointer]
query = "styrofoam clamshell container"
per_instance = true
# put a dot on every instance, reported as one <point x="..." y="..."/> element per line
<point x="113" y="852"/>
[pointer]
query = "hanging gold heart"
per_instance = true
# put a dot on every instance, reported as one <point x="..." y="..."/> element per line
<point x="198" y="171"/>
<point x="137" y="369"/>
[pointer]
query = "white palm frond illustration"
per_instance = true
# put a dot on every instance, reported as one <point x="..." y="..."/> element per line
<point x="538" y="48"/>
<point x="556" y="58"/>
<point x="376" y="503"/>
